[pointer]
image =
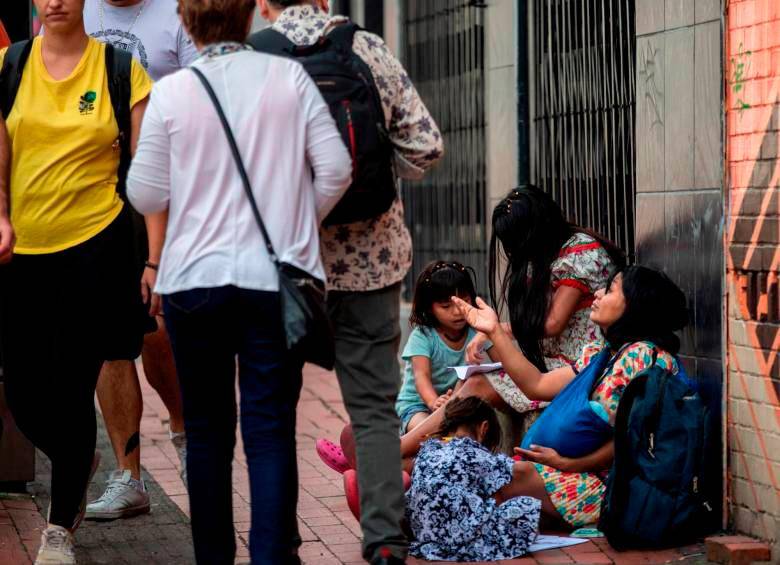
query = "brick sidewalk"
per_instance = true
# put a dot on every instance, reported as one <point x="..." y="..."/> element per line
<point x="331" y="535"/>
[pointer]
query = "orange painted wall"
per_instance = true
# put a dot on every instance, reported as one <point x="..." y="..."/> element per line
<point x="753" y="266"/>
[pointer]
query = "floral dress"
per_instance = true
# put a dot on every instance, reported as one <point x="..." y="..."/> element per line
<point x="578" y="496"/>
<point x="451" y="510"/>
<point x="584" y="264"/>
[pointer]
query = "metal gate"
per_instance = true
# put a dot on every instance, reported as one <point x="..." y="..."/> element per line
<point x="581" y="75"/>
<point x="444" y="53"/>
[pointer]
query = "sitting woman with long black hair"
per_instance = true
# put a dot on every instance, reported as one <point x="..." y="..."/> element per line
<point x="553" y="269"/>
<point x="638" y="312"/>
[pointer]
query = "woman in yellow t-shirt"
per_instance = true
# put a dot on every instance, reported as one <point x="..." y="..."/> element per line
<point x="71" y="290"/>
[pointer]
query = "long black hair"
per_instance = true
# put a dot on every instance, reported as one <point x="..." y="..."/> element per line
<point x="471" y="411"/>
<point x="438" y="282"/>
<point x="530" y="229"/>
<point x="655" y="309"/>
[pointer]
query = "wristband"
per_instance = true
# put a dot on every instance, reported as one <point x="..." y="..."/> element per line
<point x="152" y="266"/>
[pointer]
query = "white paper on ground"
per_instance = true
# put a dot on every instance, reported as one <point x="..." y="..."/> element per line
<point x="465" y="371"/>
<point x="543" y="543"/>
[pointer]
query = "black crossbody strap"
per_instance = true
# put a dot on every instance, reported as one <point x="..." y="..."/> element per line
<point x="240" y="163"/>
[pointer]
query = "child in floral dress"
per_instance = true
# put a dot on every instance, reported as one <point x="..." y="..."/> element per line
<point x="451" y="506"/>
<point x="553" y="271"/>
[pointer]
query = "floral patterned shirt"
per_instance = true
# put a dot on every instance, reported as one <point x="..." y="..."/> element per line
<point x="451" y="509"/>
<point x="631" y="361"/>
<point x="376" y="253"/>
<point x="584" y="264"/>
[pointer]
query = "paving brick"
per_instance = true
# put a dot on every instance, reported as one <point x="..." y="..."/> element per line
<point x="736" y="550"/>
<point x="331" y="535"/>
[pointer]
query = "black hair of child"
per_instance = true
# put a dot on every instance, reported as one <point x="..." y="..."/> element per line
<point x="438" y="282"/>
<point x="471" y="411"/>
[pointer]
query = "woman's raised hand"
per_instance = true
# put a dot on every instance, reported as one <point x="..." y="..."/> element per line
<point x="482" y="318"/>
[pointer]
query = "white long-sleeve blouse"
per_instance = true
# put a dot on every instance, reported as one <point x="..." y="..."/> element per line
<point x="296" y="161"/>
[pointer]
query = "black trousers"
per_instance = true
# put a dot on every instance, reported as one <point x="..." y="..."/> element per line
<point x="61" y="315"/>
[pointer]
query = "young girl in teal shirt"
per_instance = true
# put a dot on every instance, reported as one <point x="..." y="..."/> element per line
<point x="438" y="341"/>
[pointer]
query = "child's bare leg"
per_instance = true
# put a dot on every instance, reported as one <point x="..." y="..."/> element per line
<point x="526" y="481"/>
<point x="476" y="385"/>
<point x="407" y="464"/>
<point x="416" y="420"/>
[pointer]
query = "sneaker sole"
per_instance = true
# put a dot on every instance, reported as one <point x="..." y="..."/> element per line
<point x="118" y="514"/>
<point x="52" y="561"/>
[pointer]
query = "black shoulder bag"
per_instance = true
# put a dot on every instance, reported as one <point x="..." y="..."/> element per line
<point x="306" y="323"/>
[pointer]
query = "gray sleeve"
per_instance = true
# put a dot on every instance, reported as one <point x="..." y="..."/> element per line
<point x="186" y="48"/>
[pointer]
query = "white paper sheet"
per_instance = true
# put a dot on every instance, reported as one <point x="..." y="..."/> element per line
<point x="544" y="543"/>
<point x="465" y="371"/>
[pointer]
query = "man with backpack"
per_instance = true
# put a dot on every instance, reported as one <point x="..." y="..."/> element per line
<point x="366" y="247"/>
<point x="150" y="30"/>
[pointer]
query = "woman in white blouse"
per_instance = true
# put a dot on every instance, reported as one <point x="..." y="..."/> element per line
<point x="219" y="286"/>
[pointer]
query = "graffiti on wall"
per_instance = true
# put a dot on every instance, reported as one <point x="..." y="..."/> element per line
<point x="753" y="265"/>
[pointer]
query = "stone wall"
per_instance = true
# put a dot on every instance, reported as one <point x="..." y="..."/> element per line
<point x="680" y="170"/>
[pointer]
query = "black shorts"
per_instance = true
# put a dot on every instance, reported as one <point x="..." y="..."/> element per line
<point x="86" y="297"/>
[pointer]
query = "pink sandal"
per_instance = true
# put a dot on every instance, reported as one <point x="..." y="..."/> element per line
<point x="332" y="455"/>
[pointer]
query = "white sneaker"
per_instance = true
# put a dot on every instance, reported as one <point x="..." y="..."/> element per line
<point x="56" y="547"/>
<point x="179" y="441"/>
<point x="124" y="497"/>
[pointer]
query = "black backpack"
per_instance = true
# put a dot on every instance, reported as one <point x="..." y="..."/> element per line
<point x="664" y="478"/>
<point x="347" y="85"/>
<point x="118" y="67"/>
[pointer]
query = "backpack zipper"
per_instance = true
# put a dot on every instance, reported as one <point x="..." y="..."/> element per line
<point x="351" y="132"/>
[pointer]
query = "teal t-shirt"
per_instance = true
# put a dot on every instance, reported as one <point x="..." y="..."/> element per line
<point x="426" y="342"/>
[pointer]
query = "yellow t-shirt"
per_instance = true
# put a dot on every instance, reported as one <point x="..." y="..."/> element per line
<point x="64" y="139"/>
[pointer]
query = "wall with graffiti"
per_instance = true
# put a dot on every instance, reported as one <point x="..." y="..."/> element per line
<point x="752" y="266"/>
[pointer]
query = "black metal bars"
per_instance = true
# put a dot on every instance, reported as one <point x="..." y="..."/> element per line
<point x="444" y="53"/>
<point x="582" y="56"/>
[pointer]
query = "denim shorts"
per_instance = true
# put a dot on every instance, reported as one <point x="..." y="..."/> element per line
<point x="406" y="414"/>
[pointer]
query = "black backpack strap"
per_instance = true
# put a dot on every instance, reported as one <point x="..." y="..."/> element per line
<point x="271" y="41"/>
<point x="343" y="35"/>
<point x="119" y="68"/>
<point x="11" y="74"/>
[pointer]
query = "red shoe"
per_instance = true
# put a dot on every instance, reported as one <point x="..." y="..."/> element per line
<point x="347" y="441"/>
<point x="352" y="492"/>
<point x="332" y="455"/>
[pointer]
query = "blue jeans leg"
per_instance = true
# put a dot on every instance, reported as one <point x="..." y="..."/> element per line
<point x="270" y="384"/>
<point x="209" y="328"/>
<point x="203" y="336"/>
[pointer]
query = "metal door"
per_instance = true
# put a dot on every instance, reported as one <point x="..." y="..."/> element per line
<point x="444" y="55"/>
<point x="581" y="75"/>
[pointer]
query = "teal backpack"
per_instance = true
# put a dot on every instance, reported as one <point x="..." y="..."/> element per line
<point x="665" y="475"/>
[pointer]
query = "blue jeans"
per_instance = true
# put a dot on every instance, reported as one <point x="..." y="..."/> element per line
<point x="209" y="330"/>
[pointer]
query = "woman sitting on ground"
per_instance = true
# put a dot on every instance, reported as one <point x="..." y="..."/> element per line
<point x="639" y="312"/>
<point x="554" y="268"/>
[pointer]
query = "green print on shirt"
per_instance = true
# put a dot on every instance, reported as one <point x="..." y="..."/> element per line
<point x="87" y="103"/>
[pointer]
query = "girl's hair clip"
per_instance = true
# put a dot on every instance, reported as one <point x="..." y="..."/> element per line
<point x="444" y="265"/>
